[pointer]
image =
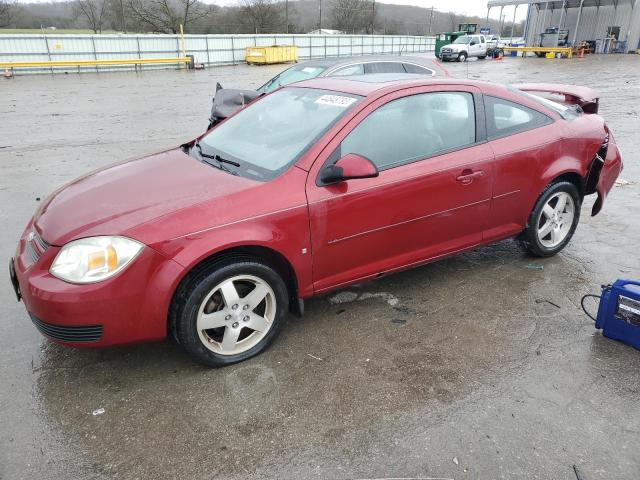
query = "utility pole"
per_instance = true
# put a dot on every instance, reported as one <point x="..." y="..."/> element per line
<point x="124" y="19"/>
<point x="286" y="14"/>
<point x="430" y="20"/>
<point x="373" y="17"/>
<point x="320" y="22"/>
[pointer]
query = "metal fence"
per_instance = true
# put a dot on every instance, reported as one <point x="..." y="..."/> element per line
<point x="207" y="49"/>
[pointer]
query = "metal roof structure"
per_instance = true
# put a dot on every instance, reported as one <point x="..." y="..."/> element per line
<point x="583" y="17"/>
<point x="557" y="4"/>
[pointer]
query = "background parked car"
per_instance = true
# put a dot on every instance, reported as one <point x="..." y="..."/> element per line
<point x="228" y="101"/>
<point x="494" y="41"/>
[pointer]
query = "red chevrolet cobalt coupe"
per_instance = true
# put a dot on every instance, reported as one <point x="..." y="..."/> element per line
<point x="313" y="187"/>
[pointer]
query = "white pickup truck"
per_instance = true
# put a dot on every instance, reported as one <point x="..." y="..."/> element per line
<point x="464" y="47"/>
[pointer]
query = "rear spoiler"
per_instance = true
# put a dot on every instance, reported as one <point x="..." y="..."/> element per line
<point x="585" y="97"/>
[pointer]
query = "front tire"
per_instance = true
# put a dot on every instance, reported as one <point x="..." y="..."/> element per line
<point x="230" y="310"/>
<point x="553" y="220"/>
<point x="462" y="57"/>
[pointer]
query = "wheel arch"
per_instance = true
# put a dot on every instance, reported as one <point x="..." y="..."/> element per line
<point x="565" y="168"/>
<point x="568" y="175"/>
<point x="269" y="256"/>
<point x="572" y="177"/>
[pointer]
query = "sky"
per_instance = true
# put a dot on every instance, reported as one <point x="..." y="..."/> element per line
<point x="467" y="7"/>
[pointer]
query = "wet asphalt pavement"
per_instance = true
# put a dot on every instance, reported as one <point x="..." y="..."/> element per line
<point x="481" y="366"/>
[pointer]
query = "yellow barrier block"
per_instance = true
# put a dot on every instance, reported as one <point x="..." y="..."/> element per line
<point x="568" y="51"/>
<point x="270" y="55"/>
<point x="92" y="63"/>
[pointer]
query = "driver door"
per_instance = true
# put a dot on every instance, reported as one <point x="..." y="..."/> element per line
<point x="431" y="198"/>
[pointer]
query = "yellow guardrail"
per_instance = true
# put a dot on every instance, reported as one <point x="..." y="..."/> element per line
<point x="568" y="51"/>
<point x="92" y="63"/>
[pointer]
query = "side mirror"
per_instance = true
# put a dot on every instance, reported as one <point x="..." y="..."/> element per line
<point x="473" y="42"/>
<point x="349" y="167"/>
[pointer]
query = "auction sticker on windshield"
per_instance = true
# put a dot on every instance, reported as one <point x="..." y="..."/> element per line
<point x="335" y="100"/>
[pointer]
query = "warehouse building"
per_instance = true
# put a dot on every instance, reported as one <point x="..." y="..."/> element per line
<point x="607" y="26"/>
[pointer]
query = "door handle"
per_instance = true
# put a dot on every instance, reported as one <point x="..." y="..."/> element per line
<point x="468" y="175"/>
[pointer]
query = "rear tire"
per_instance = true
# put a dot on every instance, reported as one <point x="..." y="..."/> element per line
<point x="553" y="220"/>
<point x="230" y="310"/>
<point x="482" y="57"/>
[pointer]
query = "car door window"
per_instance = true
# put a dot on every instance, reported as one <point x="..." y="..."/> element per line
<point x="349" y="70"/>
<point x="508" y="118"/>
<point x="413" y="128"/>
<point x="411" y="68"/>
<point x="384" y="67"/>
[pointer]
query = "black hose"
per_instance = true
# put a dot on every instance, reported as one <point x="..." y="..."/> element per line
<point x="584" y="308"/>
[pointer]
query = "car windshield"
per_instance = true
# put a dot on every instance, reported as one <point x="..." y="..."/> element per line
<point x="291" y="75"/>
<point x="269" y="135"/>
<point x="463" y="39"/>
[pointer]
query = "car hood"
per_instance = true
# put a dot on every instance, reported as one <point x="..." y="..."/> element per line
<point x="455" y="47"/>
<point x="120" y="198"/>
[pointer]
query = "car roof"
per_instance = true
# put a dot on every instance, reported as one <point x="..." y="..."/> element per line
<point x="338" y="61"/>
<point x="365" y="85"/>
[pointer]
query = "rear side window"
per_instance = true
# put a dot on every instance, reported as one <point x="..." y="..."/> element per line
<point x="413" y="128"/>
<point x="349" y="70"/>
<point x="508" y="118"/>
<point x="384" y="67"/>
<point x="411" y="68"/>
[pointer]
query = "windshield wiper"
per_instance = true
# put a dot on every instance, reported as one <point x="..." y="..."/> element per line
<point x="220" y="160"/>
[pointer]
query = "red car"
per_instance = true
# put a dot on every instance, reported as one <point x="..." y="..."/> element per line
<point x="311" y="188"/>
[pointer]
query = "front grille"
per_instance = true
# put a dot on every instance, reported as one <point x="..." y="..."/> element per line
<point x="446" y="50"/>
<point x="36" y="246"/>
<point x="76" y="334"/>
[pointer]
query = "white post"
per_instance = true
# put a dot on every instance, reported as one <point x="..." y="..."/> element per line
<point x="544" y="18"/>
<point x="633" y="6"/>
<point x="564" y="3"/>
<point x="513" y="23"/>
<point x="575" y="33"/>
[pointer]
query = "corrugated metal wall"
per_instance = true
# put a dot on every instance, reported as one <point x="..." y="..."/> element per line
<point x="207" y="49"/>
<point x="593" y="23"/>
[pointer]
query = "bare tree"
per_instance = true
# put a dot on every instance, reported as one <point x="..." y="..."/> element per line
<point x="93" y="11"/>
<point x="7" y="12"/>
<point x="166" y="15"/>
<point x="372" y="16"/>
<point x="117" y="15"/>
<point x="351" y="16"/>
<point x="263" y="15"/>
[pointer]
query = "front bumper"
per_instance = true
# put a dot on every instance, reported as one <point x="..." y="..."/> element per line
<point x="449" y="55"/>
<point x="130" y="307"/>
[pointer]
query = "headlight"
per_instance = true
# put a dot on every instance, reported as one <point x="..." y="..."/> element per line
<point x="94" y="259"/>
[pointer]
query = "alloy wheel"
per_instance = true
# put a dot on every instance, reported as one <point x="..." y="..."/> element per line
<point x="236" y="314"/>
<point x="555" y="220"/>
